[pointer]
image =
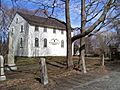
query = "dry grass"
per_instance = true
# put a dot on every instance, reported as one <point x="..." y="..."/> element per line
<point x="27" y="76"/>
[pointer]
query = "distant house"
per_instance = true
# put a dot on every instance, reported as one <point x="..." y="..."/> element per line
<point x="37" y="36"/>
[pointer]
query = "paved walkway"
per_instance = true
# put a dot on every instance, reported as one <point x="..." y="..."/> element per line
<point x="109" y="82"/>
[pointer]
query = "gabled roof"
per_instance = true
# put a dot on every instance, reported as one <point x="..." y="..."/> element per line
<point x="43" y="22"/>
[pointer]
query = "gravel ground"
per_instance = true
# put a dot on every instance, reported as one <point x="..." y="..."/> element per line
<point x="108" y="82"/>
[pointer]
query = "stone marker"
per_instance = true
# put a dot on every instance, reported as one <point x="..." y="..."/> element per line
<point x="2" y="75"/>
<point x="11" y="61"/>
<point x="43" y="69"/>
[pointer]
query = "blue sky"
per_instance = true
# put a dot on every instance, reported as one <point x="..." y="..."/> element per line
<point x="59" y="12"/>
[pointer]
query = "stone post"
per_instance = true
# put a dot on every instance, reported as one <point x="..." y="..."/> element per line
<point x="2" y="75"/>
<point x="11" y="61"/>
<point x="43" y="69"/>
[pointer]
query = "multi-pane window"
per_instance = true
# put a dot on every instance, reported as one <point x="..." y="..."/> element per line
<point x="21" y="43"/>
<point x="21" y="28"/>
<point x="45" y="29"/>
<point x="36" y="42"/>
<point x="45" y="42"/>
<point x="54" y="30"/>
<point x="62" y="43"/>
<point x="36" y="28"/>
<point x="62" y="32"/>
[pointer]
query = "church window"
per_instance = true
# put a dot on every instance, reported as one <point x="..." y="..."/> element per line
<point x="45" y="29"/>
<point x="45" y="42"/>
<point x="54" y="30"/>
<point x="62" y="32"/>
<point x="36" y="42"/>
<point x="21" y="28"/>
<point x="36" y="28"/>
<point x="62" y="44"/>
<point x="21" y="43"/>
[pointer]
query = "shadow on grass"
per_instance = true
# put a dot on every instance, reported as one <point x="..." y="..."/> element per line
<point x="9" y="69"/>
<point x="38" y="79"/>
<point x="55" y="64"/>
<point x="62" y="63"/>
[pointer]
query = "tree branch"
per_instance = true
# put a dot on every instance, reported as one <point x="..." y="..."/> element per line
<point x="91" y="28"/>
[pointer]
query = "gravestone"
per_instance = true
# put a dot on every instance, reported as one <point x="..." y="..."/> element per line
<point x="11" y="61"/>
<point x="43" y="71"/>
<point x="2" y="75"/>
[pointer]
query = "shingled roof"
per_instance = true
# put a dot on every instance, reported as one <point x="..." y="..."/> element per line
<point x="43" y="22"/>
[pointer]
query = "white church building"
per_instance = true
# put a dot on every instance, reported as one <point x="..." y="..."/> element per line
<point x="37" y="36"/>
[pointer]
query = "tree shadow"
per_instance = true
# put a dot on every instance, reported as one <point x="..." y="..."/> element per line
<point x="61" y="63"/>
<point x="9" y="69"/>
<point x="38" y="79"/>
<point x="55" y="64"/>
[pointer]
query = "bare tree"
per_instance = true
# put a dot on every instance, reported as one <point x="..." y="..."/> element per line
<point x="103" y="46"/>
<point x="103" y="41"/>
<point x="115" y="23"/>
<point x="68" y="28"/>
<point x="92" y="19"/>
<point x="3" y="29"/>
<point x="107" y="6"/>
<point x="82" y="41"/>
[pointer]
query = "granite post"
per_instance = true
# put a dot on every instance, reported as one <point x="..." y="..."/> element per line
<point x="2" y="75"/>
<point x="43" y="69"/>
<point x="11" y="61"/>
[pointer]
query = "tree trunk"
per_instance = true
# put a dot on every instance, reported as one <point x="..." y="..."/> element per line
<point x="83" y="22"/>
<point x="69" y="41"/>
<point x="83" y="55"/>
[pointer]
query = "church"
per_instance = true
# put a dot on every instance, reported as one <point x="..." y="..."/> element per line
<point x="33" y="36"/>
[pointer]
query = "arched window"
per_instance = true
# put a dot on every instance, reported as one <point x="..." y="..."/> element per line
<point x="45" y="42"/>
<point x="21" y="43"/>
<point x="21" y="28"/>
<point x="62" y="43"/>
<point x="36" y="42"/>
